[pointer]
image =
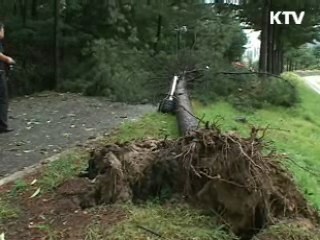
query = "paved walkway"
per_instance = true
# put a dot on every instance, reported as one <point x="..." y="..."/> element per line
<point x="48" y="123"/>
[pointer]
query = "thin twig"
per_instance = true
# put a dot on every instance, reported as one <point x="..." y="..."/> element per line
<point x="150" y="231"/>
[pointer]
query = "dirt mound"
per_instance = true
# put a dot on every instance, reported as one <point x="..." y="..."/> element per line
<point x="225" y="173"/>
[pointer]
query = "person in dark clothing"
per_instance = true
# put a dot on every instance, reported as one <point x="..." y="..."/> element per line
<point x="4" y="100"/>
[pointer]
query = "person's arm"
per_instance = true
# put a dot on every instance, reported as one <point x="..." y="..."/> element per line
<point x="6" y="59"/>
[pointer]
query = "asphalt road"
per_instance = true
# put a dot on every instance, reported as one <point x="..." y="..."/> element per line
<point x="313" y="82"/>
<point x="47" y="124"/>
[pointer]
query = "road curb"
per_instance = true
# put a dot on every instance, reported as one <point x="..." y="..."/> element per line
<point x="32" y="169"/>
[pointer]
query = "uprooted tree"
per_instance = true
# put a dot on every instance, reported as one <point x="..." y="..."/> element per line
<point x="223" y="173"/>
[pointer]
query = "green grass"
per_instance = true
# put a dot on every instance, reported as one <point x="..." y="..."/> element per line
<point x="50" y="233"/>
<point x="174" y="222"/>
<point x="95" y="232"/>
<point x="19" y="187"/>
<point x="68" y="166"/>
<point x="7" y="211"/>
<point x="150" y="126"/>
<point x="287" y="231"/>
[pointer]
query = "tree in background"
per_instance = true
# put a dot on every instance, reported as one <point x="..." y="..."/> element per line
<point x="276" y="40"/>
<point x="113" y="48"/>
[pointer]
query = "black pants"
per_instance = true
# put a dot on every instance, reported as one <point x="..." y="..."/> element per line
<point x="4" y="102"/>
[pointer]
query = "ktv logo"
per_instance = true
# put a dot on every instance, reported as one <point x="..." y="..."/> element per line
<point x="290" y="17"/>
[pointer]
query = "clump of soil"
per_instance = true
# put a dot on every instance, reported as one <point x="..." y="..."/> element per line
<point x="224" y="173"/>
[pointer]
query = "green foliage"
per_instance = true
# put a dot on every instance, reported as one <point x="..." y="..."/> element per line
<point x="304" y="57"/>
<point x="248" y="91"/>
<point x="278" y="92"/>
<point x="121" y="50"/>
<point x="128" y="71"/>
<point x="113" y="70"/>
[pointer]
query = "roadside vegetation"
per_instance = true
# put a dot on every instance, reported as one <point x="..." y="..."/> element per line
<point x="292" y="131"/>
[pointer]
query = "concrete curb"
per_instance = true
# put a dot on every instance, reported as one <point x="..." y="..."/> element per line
<point x="32" y="169"/>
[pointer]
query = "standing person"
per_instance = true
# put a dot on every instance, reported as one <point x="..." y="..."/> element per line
<point x="4" y="100"/>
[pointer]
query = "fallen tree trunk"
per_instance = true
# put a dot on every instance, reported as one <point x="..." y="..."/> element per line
<point x="187" y="122"/>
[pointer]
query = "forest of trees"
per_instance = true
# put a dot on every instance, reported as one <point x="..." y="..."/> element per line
<point x="278" y="42"/>
<point x="127" y="50"/>
<point x="107" y="47"/>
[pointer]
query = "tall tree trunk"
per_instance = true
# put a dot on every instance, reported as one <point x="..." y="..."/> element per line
<point x="158" y="35"/>
<point x="270" y="48"/>
<point x="281" y="61"/>
<point x="280" y="54"/>
<point x="263" y="61"/>
<point x="15" y="9"/>
<point x="34" y="10"/>
<point x="56" y="43"/>
<point x="25" y="12"/>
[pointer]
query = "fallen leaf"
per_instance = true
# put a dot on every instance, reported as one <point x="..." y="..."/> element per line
<point x="34" y="182"/>
<point x="2" y="236"/>
<point x="28" y="151"/>
<point x="89" y="129"/>
<point x="36" y="193"/>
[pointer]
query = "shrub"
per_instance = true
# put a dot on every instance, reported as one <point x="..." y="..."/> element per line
<point x="247" y="91"/>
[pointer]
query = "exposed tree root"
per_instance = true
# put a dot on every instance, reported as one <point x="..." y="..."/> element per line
<point x="223" y="173"/>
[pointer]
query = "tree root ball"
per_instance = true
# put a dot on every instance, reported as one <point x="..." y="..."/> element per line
<point x="224" y="173"/>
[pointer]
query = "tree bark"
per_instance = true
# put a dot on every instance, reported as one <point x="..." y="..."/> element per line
<point x="34" y="10"/>
<point x="158" y="35"/>
<point x="281" y="61"/>
<point x="23" y="11"/>
<point x="186" y="120"/>
<point x="263" y="61"/>
<point x="56" y="42"/>
<point x="270" y="47"/>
